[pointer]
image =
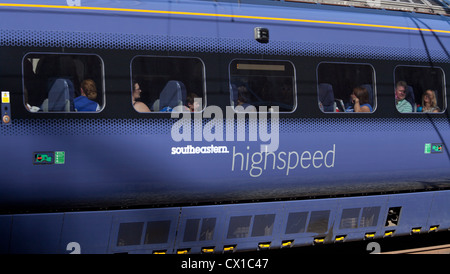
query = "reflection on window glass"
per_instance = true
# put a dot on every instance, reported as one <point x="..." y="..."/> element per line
<point x="296" y="222"/>
<point x="263" y="225"/>
<point x="129" y="234"/>
<point x="256" y="83"/>
<point x="346" y="87"/>
<point x="162" y="84"/>
<point x="190" y="232"/>
<point x="63" y="82"/>
<point x="157" y="232"/>
<point x="419" y="89"/>
<point x="208" y="227"/>
<point x="239" y="227"/>
<point x="349" y="218"/>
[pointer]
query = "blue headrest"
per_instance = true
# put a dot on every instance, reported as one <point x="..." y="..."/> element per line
<point x="326" y="97"/>
<point x="410" y="96"/>
<point x="368" y="87"/>
<point x="173" y="94"/>
<point x="234" y="93"/>
<point x="61" y="92"/>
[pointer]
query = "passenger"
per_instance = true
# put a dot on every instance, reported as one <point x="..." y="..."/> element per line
<point x="241" y="104"/>
<point x="29" y="107"/>
<point x="85" y="102"/>
<point x="429" y="103"/>
<point x="360" y="98"/>
<point x="138" y="106"/>
<point x="400" y="94"/>
<point x="193" y="102"/>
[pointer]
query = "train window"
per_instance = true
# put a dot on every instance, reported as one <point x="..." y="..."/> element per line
<point x="419" y="89"/>
<point x="345" y="87"/>
<point x="259" y="85"/>
<point x="369" y="216"/>
<point x="130" y="234"/>
<point x="296" y="222"/>
<point x="239" y="227"/>
<point x="263" y="225"/>
<point x="55" y="82"/>
<point x="161" y="84"/>
<point x="318" y="221"/>
<point x="190" y="232"/>
<point x="207" y="230"/>
<point x="349" y="218"/>
<point x="157" y="232"/>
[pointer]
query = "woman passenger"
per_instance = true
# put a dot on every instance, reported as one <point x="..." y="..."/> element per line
<point x="193" y="102"/>
<point x="86" y="102"/>
<point x="429" y="103"/>
<point x="138" y="106"/>
<point x="360" y="98"/>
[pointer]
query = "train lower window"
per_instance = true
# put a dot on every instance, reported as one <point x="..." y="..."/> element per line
<point x="369" y="216"/>
<point x="56" y="82"/>
<point x="419" y="89"/>
<point x="191" y="230"/>
<point x="318" y="221"/>
<point x="262" y="85"/>
<point x="162" y="84"/>
<point x="263" y="225"/>
<point x="206" y="231"/>
<point x="157" y="232"/>
<point x="349" y="218"/>
<point x="130" y="234"/>
<point x="393" y="216"/>
<point x="239" y="227"/>
<point x="346" y="87"/>
<point x="296" y="222"/>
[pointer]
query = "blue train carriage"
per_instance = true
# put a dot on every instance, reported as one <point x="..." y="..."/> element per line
<point x="102" y="154"/>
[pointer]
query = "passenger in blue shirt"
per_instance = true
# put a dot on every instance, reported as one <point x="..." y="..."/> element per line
<point x="360" y="98"/>
<point x="86" y="102"/>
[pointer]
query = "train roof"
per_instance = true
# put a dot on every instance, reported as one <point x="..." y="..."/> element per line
<point x="438" y="7"/>
<point x="435" y="7"/>
<point x="421" y="6"/>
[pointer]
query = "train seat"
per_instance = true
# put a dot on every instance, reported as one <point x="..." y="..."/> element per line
<point x="60" y="96"/>
<point x="410" y="97"/>
<point x="326" y="97"/>
<point x="234" y="94"/>
<point x="155" y="105"/>
<point x="173" y="95"/>
<point x="369" y="89"/>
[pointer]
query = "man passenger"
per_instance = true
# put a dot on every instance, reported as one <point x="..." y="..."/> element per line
<point x="400" y="94"/>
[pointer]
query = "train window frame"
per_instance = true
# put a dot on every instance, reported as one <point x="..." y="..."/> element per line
<point x="442" y="97"/>
<point x="133" y="76"/>
<point x="99" y="82"/>
<point x="275" y="68"/>
<point x="340" y="105"/>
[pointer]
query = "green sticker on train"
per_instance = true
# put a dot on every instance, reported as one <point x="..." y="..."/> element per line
<point x="427" y="148"/>
<point x="434" y="148"/>
<point x="60" y="157"/>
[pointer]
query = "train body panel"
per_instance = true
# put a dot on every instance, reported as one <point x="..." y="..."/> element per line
<point x="118" y="158"/>
<point x="226" y="228"/>
<point x="129" y="171"/>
